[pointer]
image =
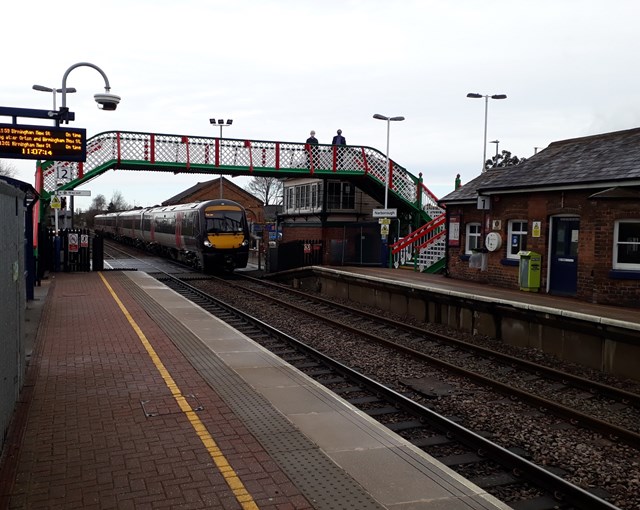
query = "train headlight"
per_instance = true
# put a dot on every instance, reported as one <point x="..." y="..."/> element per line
<point x="245" y="243"/>
<point x="207" y="244"/>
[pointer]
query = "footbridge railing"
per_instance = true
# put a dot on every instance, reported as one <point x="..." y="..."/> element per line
<point x="423" y="249"/>
<point x="184" y="154"/>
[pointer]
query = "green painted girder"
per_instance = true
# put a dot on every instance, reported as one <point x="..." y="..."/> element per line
<point x="364" y="166"/>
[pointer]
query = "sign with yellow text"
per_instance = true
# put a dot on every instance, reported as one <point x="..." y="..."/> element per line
<point x="42" y="142"/>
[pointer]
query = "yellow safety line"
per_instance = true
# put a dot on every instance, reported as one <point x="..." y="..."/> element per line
<point x="233" y="480"/>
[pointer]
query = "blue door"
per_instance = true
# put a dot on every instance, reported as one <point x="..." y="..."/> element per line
<point x="563" y="270"/>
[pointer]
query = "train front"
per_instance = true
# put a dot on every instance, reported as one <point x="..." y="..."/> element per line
<point x="226" y="236"/>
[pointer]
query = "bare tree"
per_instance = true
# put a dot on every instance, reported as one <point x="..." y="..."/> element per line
<point x="117" y="203"/>
<point x="267" y="189"/>
<point x="99" y="204"/>
<point x="7" y="169"/>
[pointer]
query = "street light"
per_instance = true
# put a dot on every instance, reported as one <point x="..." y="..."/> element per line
<point x="42" y="88"/>
<point x="497" y="142"/>
<point x="221" y="124"/>
<point x="486" y="108"/>
<point x="386" y="180"/>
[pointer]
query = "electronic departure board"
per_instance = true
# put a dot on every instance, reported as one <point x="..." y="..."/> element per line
<point x="42" y="142"/>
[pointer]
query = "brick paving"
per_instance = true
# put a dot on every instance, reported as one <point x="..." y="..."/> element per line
<point x="82" y="439"/>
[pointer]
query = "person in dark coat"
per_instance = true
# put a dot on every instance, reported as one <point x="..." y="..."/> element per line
<point x="339" y="139"/>
<point x="312" y="138"/>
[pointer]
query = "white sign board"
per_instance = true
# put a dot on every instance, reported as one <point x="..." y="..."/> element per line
<point x="385" y="213"/>
<point x="484" y="202"/>
<point x="63" y="174"/>
<point x="75" y="192"/>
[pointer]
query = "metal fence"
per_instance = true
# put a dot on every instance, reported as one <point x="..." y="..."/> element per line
<point x="295" y="254"/>
<point x="69" y="252"/>
<point x="361" y="245"/>
<point x="12" y="301"/>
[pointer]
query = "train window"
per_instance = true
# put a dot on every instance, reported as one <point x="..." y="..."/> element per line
<point x="224" y="221"/>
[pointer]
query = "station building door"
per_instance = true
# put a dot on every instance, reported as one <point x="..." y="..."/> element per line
<point x="563" y="261"/>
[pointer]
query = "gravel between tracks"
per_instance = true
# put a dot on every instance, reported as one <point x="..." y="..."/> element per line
<point x="590" y="460"/>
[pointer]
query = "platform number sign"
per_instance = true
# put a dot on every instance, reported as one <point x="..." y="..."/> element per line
<point x="484" y="202"/>
<point x="63" y="174"/>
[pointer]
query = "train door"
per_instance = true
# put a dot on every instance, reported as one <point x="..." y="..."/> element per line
<point x="563" y="260"/>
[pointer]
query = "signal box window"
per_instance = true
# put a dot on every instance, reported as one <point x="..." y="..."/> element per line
<point x="341" y="195"/>
<point x="517" y="238"/>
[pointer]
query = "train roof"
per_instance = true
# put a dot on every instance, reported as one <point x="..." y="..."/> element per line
<point x="176" y="207"/>
<point x="195" y="205"/>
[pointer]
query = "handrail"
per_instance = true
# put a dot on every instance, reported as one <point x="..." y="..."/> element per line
<point x="178" y="153"/>
<point x="427" y="240"/>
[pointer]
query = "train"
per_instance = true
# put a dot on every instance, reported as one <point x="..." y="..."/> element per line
<point x="212" y="236"/>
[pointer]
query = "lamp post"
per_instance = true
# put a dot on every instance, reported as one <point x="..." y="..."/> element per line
<point x="386" y="179"/>
<point x="42" y="88"/>
<point x="497" y="142"/>
<point x="221" y="123"/>
<point x="486" y="108"/>
<point x="106" y="101"/>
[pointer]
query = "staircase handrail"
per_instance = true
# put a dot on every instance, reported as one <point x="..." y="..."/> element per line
<point x="418" y="234"/>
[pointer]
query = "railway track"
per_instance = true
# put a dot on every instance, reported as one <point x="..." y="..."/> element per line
<point x="569" y="396"/>
<point x="564" y="447"/>
<point x="506" y="474"/>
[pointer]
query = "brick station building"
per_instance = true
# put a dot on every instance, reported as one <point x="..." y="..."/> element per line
<point x="576" y="204"/>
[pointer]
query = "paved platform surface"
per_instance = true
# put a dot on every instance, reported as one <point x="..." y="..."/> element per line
<point x="135" y="398"/>
<point x="630" y="317"/>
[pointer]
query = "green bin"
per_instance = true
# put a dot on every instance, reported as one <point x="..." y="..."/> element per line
<point x="529" y="271"/>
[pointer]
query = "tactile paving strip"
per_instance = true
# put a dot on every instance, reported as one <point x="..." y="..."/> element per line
<point x="320" y="480"/>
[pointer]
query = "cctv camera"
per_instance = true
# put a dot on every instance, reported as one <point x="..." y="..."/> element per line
<point x="107" y="101"/>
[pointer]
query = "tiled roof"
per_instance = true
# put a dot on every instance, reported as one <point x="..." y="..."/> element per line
<point x="610" y="157"/>
<point x="187" y="193"/>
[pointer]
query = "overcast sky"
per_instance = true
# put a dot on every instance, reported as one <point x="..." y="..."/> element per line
<point x="281" y="68"/>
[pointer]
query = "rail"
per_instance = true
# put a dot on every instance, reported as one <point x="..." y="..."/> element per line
<point x="423" y="249"/>
<point x="177" y="153"/>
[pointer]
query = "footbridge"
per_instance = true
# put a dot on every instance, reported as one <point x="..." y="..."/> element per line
<point x="364" y="166"/>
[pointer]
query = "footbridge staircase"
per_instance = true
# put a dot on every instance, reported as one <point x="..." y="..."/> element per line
<point x="422" y="249"/>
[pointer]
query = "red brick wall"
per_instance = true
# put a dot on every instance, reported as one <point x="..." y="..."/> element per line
<point x="254" y="207"/>
<point x="595" y="249"/>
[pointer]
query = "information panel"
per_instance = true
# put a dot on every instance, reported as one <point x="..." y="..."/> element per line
<point x="42" y="142"/>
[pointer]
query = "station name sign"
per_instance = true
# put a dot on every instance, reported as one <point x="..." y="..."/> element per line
<point x="42" y="142"/>
<point x="385" y="213"/>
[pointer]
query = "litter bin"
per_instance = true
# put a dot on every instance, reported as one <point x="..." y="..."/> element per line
<point x="529" y="271"/>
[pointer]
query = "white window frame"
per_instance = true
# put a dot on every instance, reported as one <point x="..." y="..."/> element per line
<point x="302" y="197"/>
<point x="617" y="243"/>
<point x="290" y="200"/>
<point x="470" y="235"/>
<point x="521" y="233"/>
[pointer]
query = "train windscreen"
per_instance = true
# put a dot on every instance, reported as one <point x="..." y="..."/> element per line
<point x="224" y="222"/>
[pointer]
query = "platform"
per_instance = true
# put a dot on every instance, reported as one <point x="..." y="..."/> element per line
<point x="567" y="306"/>
<point x="137" y="398"/>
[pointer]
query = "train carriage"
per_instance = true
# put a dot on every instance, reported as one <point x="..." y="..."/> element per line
<point x="211" y="235"/>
